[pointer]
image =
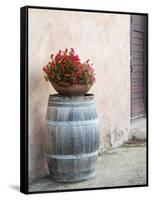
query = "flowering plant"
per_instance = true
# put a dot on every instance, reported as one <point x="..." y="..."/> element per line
<point x="65" y="69"/>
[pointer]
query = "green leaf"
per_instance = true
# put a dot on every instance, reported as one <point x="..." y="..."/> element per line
<point x="58" y="76"/>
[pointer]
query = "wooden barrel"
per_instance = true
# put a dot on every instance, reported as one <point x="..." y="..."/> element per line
<point x="72" y="137"/>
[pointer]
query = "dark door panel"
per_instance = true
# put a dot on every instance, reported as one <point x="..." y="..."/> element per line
<point x="138" y="64"/>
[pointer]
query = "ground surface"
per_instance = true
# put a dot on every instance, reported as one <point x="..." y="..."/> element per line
<point x="119" y="167"/>
<point x="138" y="128"/>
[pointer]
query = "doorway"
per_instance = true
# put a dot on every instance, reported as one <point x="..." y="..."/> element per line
<point x="139" y="57"/>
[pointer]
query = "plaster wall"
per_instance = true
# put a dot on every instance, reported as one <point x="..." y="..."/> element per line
<point x="105" y="40"/>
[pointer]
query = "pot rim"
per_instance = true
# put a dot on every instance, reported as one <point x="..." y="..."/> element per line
<point x="64" y="86"/>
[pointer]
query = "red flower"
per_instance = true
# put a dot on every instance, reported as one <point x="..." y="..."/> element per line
<point x="66" y="50"/>
<point x="72" y="50"/>
<point x="78" y="74"/>
<point x="57" y="57"/>
<point x="51" y="56"/>
<point x="77" y="58"/>
<point x="53" y="63"/>
<point x="44" y="69"/>
<point x="62" y="66"/>
<point x="48" y="73"/>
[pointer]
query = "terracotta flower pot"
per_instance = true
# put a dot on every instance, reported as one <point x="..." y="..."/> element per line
<point x="72" y="90"/>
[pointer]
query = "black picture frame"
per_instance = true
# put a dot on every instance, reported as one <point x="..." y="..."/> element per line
<point x="24" y="176"/>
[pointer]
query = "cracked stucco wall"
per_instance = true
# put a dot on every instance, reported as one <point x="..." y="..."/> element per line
<point x="105" y="40"/>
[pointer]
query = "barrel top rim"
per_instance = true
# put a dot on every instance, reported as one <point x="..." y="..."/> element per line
<point x="58" y="97"/>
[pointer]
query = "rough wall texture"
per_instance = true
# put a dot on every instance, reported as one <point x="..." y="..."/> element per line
<point x="103" y="38"/>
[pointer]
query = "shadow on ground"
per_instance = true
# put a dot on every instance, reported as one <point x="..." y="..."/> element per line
<point x="15" y="187"/>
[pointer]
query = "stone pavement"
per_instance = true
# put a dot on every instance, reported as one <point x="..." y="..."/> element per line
<point x="119" y="167"/>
